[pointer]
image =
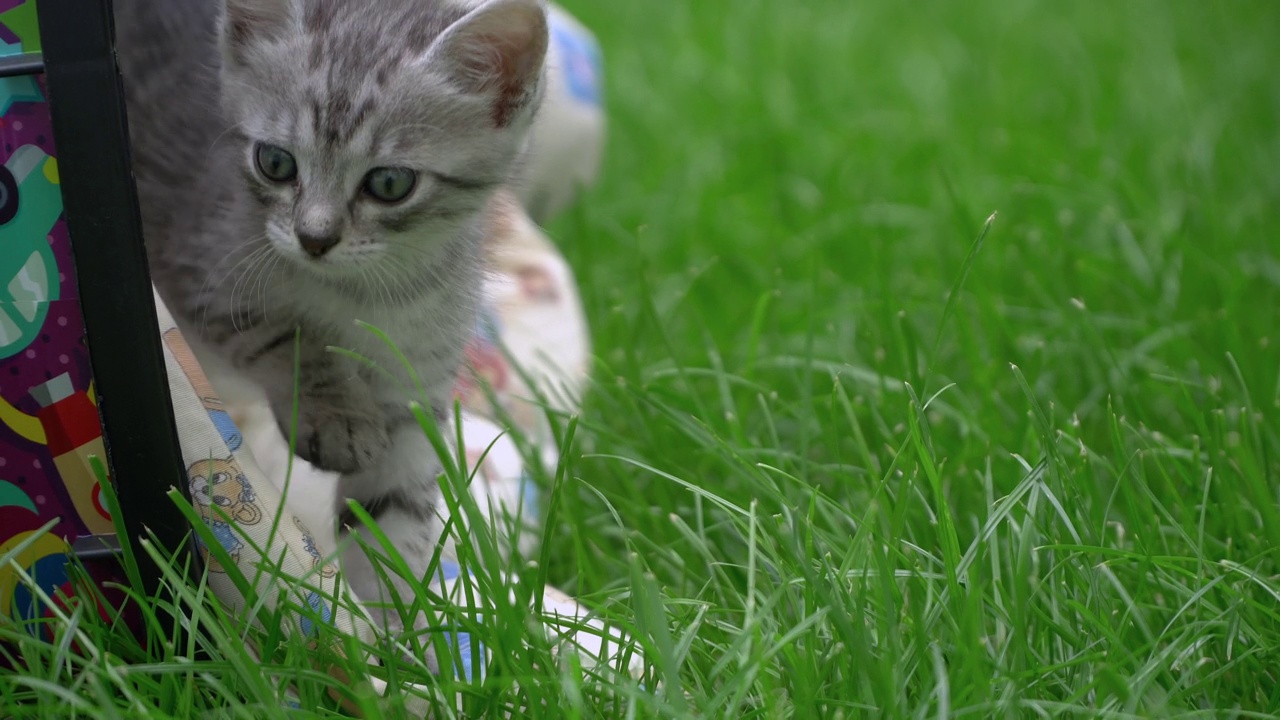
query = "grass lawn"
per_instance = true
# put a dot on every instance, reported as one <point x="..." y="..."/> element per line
<point x="850" y="455"/>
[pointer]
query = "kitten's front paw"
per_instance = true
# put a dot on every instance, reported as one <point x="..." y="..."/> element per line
<point x="340" y="439"/>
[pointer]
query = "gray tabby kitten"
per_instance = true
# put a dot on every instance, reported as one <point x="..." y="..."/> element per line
<point x="306" y="164"/>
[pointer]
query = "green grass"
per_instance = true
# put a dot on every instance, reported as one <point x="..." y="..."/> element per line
<point x="843" y="458"/>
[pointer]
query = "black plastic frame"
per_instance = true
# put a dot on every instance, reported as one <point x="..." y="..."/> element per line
<point x="100" y="200"/>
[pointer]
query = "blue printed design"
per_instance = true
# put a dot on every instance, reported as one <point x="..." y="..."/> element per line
<point x="309" y="544"/>
<point x="580" y="57"/>
<point x="462" y="642"/>
<point x="317" y="604"/>
<point x="448" y="570"/>
<point x="226" y="536"/>
<point x="529" y="494"/>
<point x="226" y="428"/>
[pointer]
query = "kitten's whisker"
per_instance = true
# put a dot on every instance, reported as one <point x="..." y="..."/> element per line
<point x="407" y="277"/>
<point x="213" y="280"/>
<point x="389" y="292"/>
<point x="264" y="282"/>
<point x="388" y="295"/>
<point x="365" y="283"/>
<point x="432" y="265"/>
<point x="364" y="279"/>
<point x="242" y="269"/>
<point x="238" y="299"/>
<point x="392" y="292"/>
<point x="221" y="135"/>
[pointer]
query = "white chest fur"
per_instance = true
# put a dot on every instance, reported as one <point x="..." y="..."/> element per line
<point x="417" y="342"/>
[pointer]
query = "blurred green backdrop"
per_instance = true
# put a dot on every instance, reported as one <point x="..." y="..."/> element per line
<point x="791" y="194"/>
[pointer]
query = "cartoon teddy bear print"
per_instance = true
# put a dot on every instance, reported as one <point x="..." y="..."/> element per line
<point x="222" y="484"/>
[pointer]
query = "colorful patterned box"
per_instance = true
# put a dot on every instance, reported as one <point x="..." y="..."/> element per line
<point x="49" y="424"/>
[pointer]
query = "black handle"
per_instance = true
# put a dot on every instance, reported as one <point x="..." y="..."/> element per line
<point x="90" y="130"/>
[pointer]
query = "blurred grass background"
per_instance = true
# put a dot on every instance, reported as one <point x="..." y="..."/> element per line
<point x="843" y="156"/>
<point x="790" y="196"/>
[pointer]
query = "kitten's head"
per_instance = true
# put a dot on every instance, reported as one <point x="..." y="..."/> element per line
<point x="372" y="130"/>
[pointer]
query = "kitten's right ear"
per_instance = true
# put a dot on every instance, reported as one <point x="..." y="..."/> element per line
<point x="245" y="22"/>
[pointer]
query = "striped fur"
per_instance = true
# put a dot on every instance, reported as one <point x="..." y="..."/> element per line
<point x="445" y="89"/>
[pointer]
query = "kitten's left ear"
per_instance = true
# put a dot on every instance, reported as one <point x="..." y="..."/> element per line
<point x="497" y="50"/>
<point x="245" y="22"/>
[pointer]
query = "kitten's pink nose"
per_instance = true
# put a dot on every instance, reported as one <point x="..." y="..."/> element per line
<point x="317" y="245"/>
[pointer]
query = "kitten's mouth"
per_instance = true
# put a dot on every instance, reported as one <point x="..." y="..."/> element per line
<point x="328" y="259"/>
<point x="329" y="268"/>
<point x="366" y="280"/>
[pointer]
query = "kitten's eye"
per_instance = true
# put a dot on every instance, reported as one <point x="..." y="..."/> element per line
<point x="275" y="163"/>
<point x="389" y="184"/>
